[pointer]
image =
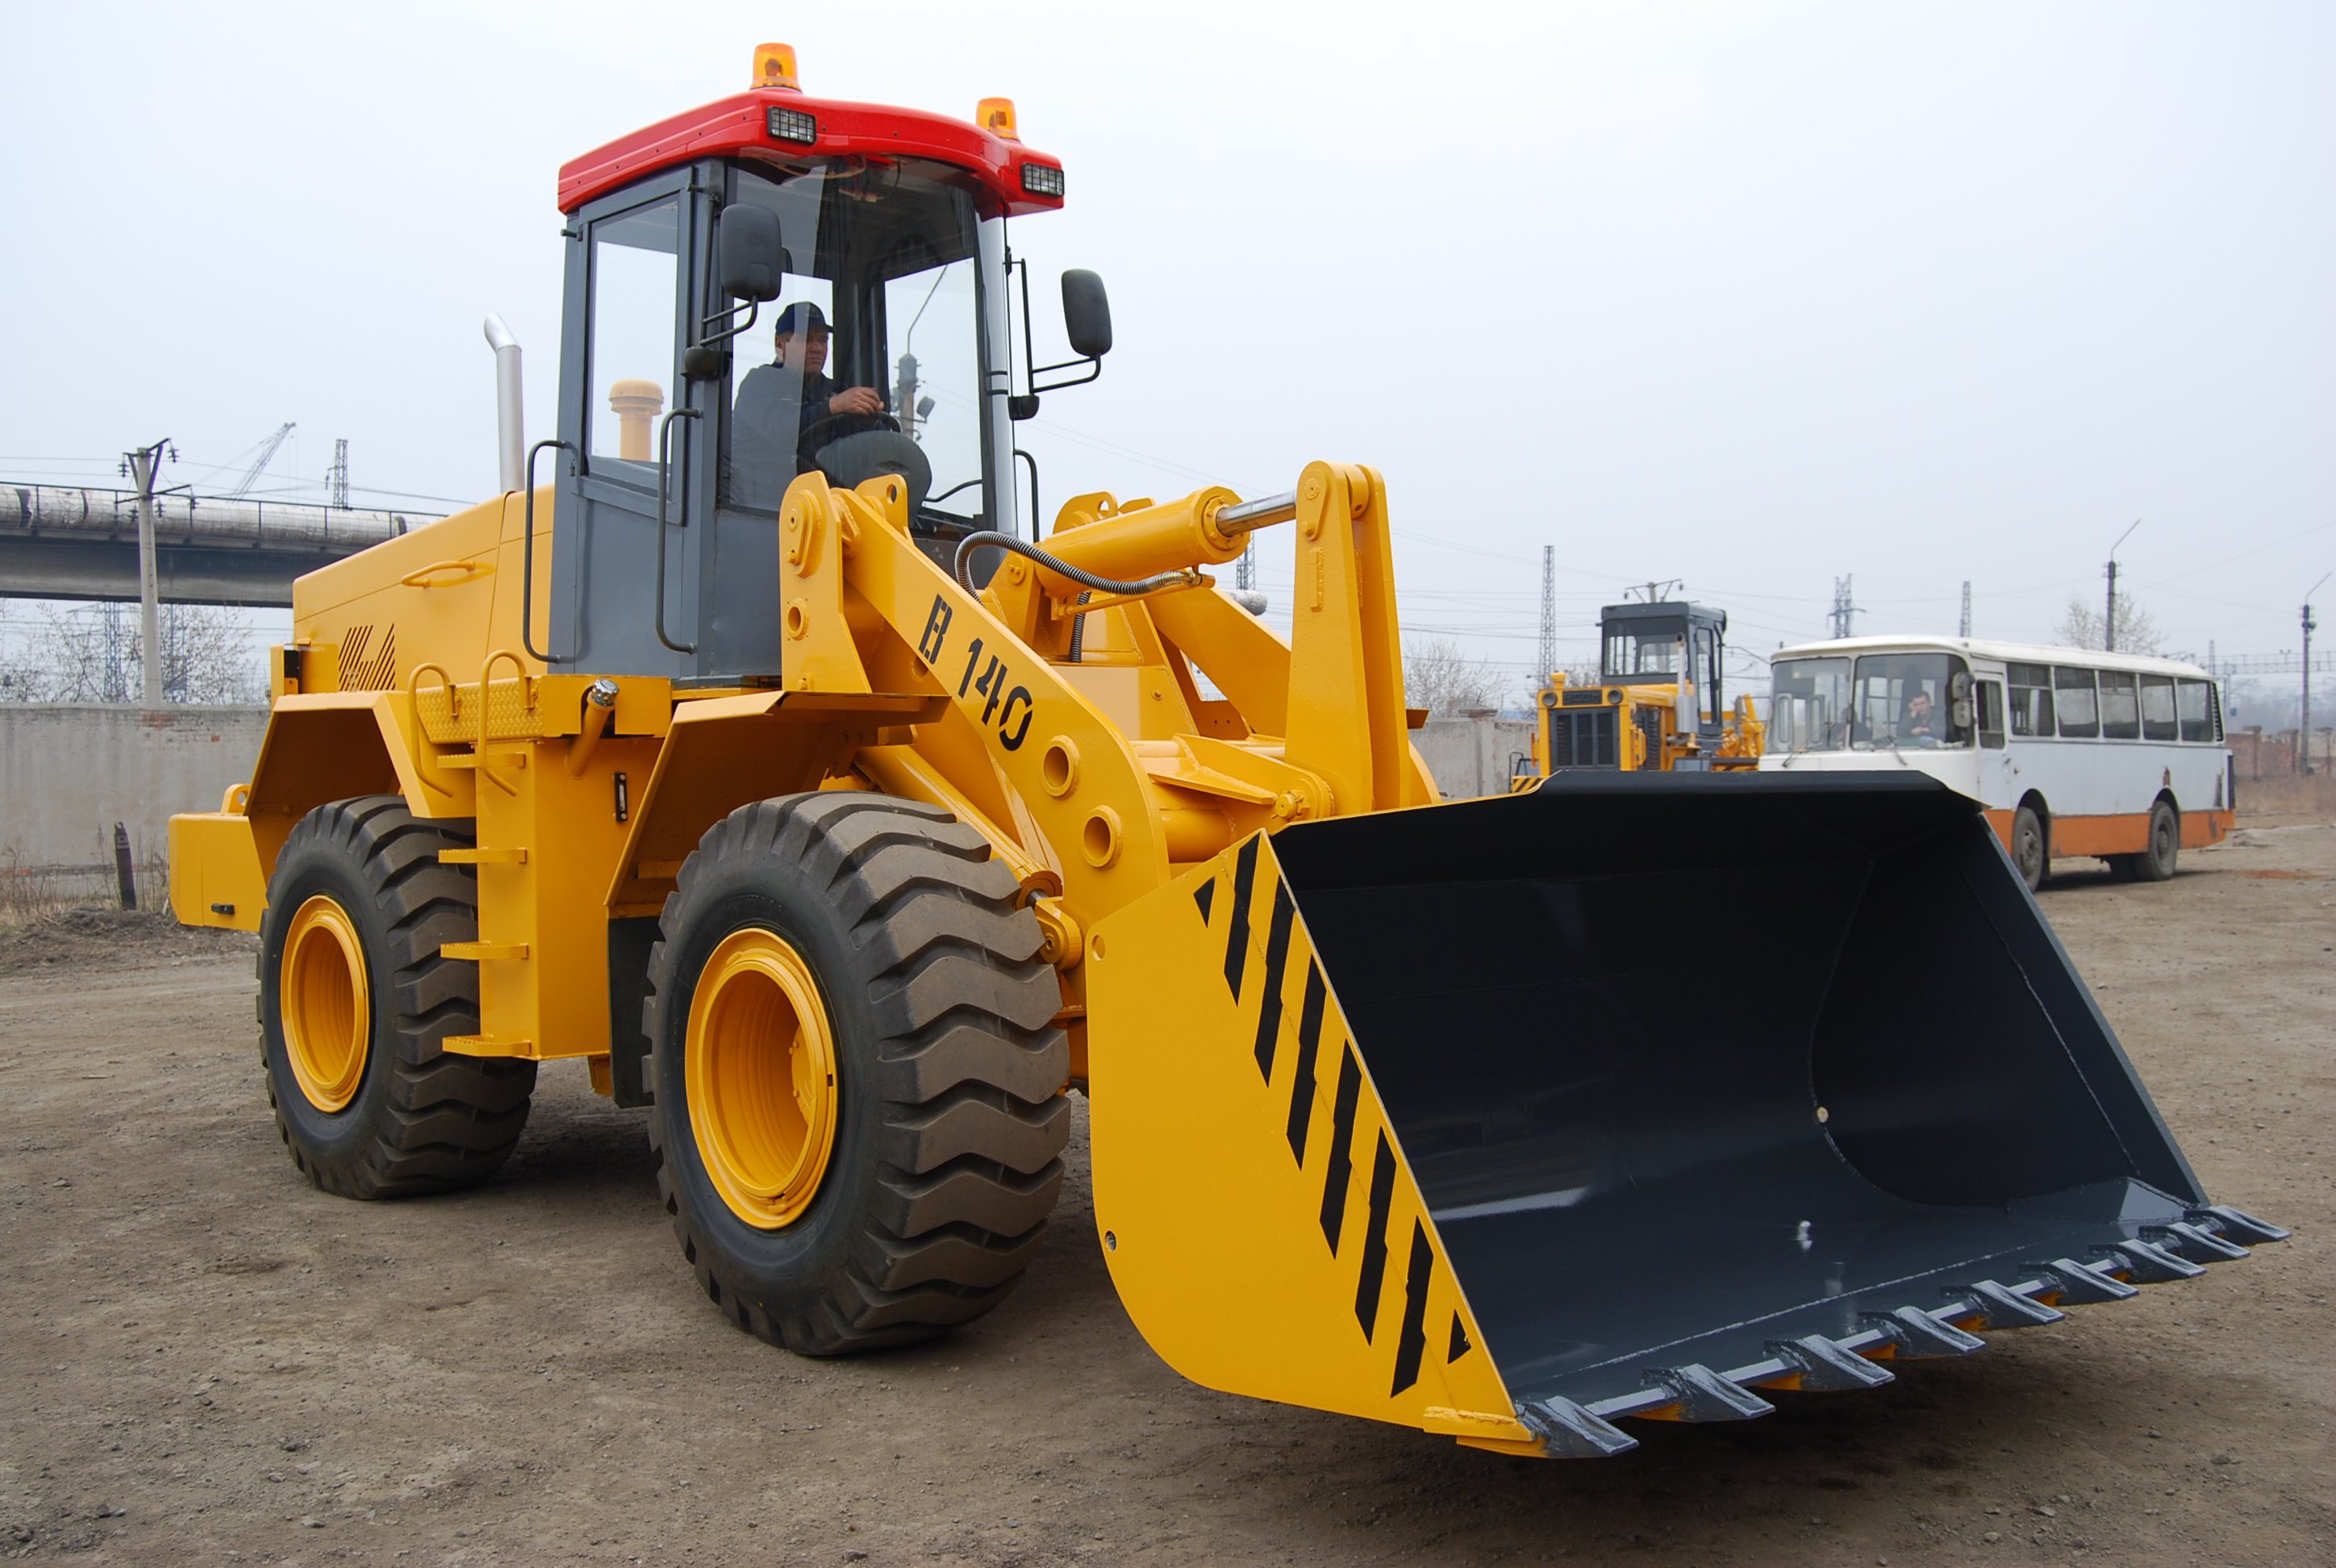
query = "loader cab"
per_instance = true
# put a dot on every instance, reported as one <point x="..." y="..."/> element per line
<point x="681" y="426"/>
<point x="1653" y="644"/>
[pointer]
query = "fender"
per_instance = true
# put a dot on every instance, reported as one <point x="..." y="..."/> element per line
<point x="320" y="746"/>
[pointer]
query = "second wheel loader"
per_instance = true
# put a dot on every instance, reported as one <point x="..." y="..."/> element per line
<point x="1659" y="702"/>
<point x="764" y="761"/>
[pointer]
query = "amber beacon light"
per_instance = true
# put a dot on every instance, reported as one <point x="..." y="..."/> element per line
<point x="774" y="66"/>
<point x="996" y="115"/>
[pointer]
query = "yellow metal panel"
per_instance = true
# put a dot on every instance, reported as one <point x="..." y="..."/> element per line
<point x="1259" y="1216"/>
<point x="542" y="947"/>
<point x="817" y="649"/>
<point x="1101" y="819"/>
<point x="214" y="862"/>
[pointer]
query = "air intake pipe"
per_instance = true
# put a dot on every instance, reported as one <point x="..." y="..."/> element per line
<point x="510" y="427"/>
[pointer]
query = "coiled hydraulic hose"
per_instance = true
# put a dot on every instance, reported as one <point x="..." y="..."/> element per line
<point x="1183" y="577"/>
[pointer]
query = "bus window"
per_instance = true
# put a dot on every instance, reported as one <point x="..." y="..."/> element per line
<point x="2120" y="708"/>
<point x="2157" y="708"/>
<point x="2072" y="692"/>
<point x="2192" y="701"/>
<point x="1991" y="714"/>
<point x="2031" y="699"/>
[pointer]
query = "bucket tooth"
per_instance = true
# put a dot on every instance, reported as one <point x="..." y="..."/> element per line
<point x="1700" y="1394"/>
<point x="2081" y="1285"/>
<point x="2238" y="1225"/>
<point x="2197" y="1242"/>
<point x="1825" y="1367"/>
<point x="1568" y="1431"/>
<point x="1918" y="1336"/>
<point x="2152" y="1265"/>
<point x="2005" y="1309"/>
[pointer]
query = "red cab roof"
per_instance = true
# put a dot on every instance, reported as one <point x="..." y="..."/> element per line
<point x="742" y="124"/>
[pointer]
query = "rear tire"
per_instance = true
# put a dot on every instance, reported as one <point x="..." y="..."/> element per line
<point x="2029" y="847"/>
<point x="2156" y="863"/>
<point x="366" y="1099"/>
<point x="911" y="1196"/>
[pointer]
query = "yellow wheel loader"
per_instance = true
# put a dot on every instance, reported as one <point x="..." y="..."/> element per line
<point x="1659" y="702"/>
<point x="767" y="760"/>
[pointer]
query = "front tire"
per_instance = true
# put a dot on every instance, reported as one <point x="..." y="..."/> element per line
<point x="858" y="1108"/>
<point x="2029" y="854"/>
<point x="354" y="1004"/>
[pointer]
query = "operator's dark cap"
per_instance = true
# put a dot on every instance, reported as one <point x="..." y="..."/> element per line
<point x="803" y="316"/>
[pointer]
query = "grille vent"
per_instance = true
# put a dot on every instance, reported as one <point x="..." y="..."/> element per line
<point x="365" y="668"/>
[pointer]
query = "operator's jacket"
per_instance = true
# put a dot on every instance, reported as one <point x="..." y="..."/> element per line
<point x="771" y="431"/>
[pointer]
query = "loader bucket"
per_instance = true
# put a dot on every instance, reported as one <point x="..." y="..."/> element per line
<point x="1624" y="1098"/>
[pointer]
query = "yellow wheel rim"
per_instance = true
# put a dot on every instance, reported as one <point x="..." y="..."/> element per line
<point x="759" y="1068"/>
<point x="323" y="1004"/>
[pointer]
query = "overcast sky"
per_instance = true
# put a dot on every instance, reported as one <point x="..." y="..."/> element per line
<point x="1752" y="296"/>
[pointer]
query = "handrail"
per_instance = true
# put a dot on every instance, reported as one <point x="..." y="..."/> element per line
<point x="487" y="708"/>
<point x="664" y="469"/>
<point x="465" y="570"/>
<point x="422" y="737"/>
<point x="527" y="563"/>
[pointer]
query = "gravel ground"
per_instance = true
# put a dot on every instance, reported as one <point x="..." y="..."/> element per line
<point x="210" y="1362"/>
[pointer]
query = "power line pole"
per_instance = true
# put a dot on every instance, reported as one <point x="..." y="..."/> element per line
<point x="336" y="478"/>
<point x="2303" y="731"/>
<point x="1966" y="631"/>
<point x="1844" y="611"/>
<point x="1548" y="610"/>
<point x="2108" y="622"/>
<point x="143" y="465"/>
<point x="1245" y="568"/>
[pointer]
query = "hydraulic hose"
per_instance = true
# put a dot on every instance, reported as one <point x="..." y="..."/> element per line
<point x="1186" y="577"/>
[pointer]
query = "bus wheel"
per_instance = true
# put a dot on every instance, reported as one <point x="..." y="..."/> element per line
<point x="2156" y="863"/>
<point x="2027" y="846"/>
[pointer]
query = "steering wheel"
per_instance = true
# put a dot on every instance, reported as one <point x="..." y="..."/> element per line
<point x="816" y="433"/>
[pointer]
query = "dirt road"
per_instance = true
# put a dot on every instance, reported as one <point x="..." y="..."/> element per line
<point x="207" y="1360"/>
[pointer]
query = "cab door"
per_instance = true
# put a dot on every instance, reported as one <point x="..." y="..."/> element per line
<point x="619" y="369"/>
<point x="647" y="578"/>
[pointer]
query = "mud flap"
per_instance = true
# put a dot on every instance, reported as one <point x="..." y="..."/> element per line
<point x="1510" y="1118"/>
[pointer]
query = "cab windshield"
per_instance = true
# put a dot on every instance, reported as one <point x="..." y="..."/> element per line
<point x="1905" y="701"/>
<point x="870" y="360"/>
<point x="1647" y="650"/>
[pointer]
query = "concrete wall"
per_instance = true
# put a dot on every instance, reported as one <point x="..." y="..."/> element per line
<point x="1471" y="757"/>
<point x="67" y="774"/>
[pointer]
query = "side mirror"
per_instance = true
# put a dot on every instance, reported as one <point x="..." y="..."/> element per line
<point x="1086" y="314"/>
<point x="751" y="261"/>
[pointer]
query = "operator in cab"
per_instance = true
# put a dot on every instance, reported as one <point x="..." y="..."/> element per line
<point x="789" y="410"/>
<point x="1922" y="722"/>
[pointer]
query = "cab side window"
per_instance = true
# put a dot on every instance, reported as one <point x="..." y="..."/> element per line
<point x="635" y="282"/>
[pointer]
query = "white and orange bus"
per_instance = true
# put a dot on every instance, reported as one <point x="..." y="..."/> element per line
<point x="2073" y="752"/>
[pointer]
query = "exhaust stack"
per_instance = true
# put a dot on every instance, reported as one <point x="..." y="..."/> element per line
<point x="511" y="437"/>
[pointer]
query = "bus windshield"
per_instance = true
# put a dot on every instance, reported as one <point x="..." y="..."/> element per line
<point x="1905" y="700"/>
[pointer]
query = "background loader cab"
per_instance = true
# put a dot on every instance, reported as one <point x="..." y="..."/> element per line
<point x="887" y="228"/>
<point x="1659" y="704"/>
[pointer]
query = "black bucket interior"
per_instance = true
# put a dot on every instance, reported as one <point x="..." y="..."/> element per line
<point x="1687" y="1063"/>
